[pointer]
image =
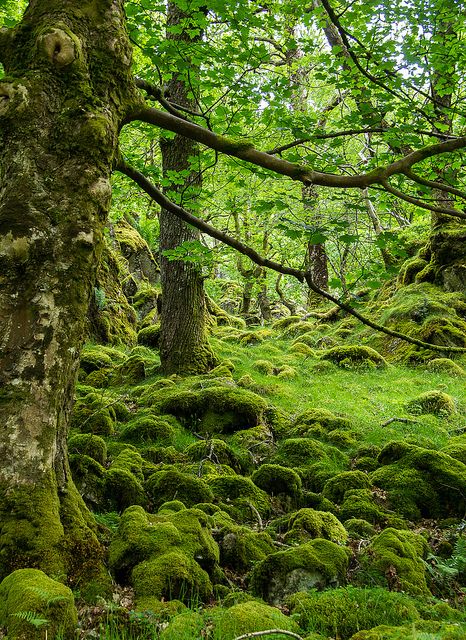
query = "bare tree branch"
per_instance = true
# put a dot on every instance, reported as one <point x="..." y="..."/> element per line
<point x="420" y="203"/>
<point x="432" y="184"/>
<point x="302" y="276"/>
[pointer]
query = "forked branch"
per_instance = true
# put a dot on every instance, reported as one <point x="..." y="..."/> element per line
<point x="302" y="276"/>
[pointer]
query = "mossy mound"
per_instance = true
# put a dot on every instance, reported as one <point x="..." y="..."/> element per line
<point x="277" y="480"/>
<point x="243" y="495"/>
<point x="89" y="478"/>
<point x="355" y="356"/>
<point x="170" y="484"/>
<point x="342" y="612"/>
<point x="94" y="357"/>
<point x="91" y="414"/>
<point x="421" y="482"/>
<point x="336" y="488"/>
<point x="307" y="523"/>
<point x="248" y="617"/>
<point x="241" y="548"/>
<point x="150" y="336"/>
<point x="149" y="429"/>
<point x="122" y="489"/>
<point x="358" y="528"/>
<point x="321" y="417"/>
<point x="297" y="452"/>
<point x="446" y="366"/>
<point x="437" y="403"/>
<point x="28" y="596"/>
<point x="426" y="312"/>
<point x="217" y="451"/>
<point x="394" y="559"/>
<point x="316" y="564"/>
<point x="90" y="445"/>
<point x="217" y="409"/>
<point x="360" y="503"/>
<point x="172" y="575"/>
<point x="422" y="630"/>
<point x="145" y="538"/>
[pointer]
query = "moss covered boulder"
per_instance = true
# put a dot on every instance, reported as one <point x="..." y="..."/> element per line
<point x="316" y="564"/>
<point x="278" y="481"/>
<point x="241" y="547"/>
<point x="31" y="602"/>
<point x="149" y="429"/>
<point x="437" y="403"/>
<point x="248" y="617"/>
<point x="170" y="484"/>
<point x="218" y="409"/>
<point x="355" y="356"/>
<point x="339" y="613"/>
<point x="395" y="559"/>
<point x="336" y="488"/>
<point x="243" y="495"/>
<point x="306" y="524"/>
<point x="421" y="482"/>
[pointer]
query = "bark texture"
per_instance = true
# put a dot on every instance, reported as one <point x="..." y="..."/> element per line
<point x="184" y="346"/>
<point x="64" y="98"/>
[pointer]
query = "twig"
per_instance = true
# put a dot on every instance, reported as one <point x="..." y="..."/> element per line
<point x="403" y="420"/>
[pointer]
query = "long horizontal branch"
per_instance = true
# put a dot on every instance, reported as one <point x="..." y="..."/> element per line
<point x="302" y="276"/>
<point x="420" y="203"/>
<point x="433" y="184"/>
<point x="245" y="150"/>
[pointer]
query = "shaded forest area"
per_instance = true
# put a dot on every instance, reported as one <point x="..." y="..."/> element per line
<point x="232" y="320"/>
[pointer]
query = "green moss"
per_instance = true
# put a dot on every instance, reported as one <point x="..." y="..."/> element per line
<point x="89" y="478"/>
<point x="446" y="366"/>
<point x="90" y="445"/>
<point x="241" y="491"/>
<point x="415" y="631"/>
<point x="248" y="617"/>
<point x="299" y="329"/>
<point x="130" y="460"/>
<point x="132" y="370"/>
<point x="410" y="269"/>
<point x="395" y="559"/>
<point x="241" y="548"/>
<point x="359" y="503"/>
<point x="172" y="484"/>
<point x="187" y="625"/>
<point x="283" y="323"/>
<point x="148" y="429"/>
<point x="150" y="336"/>
<point x="277" y="480"/>
<point x="336" y="488"/>
<point x="295" y="452"/>
<point x="355" y="356"/>
<point x="213" y="410"/>
<point x="302" y="348"/>
<point x="308" y="523"/>
<point x="122" y="489"/>
<point x="286" y="372"/>
<point x="94" y="357"/>
<point x="217" y="451"/>
<point x="421" y="482"/>
<point x="263" y="366"/>
<point x="359" y="528"/>
<point x="318" y="563"/>
<point x="435" y="402"/>
<point x="173" y="575"/>
<point x="317" y="416"/>
<point x="342" y="612"/>
<point x="92" y="415"/>
<point x="30" y="590"/>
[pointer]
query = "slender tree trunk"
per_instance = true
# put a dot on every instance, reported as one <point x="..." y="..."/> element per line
<point x="184" y="346"/>
<point x="62" y="103"/>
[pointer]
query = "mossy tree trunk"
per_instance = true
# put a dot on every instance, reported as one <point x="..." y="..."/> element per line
<point x="184" y="346"/>
<point x="63" y="99"/>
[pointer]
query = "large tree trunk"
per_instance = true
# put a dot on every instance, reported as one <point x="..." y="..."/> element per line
<point x="62" y="103"/>
<point x="184" y="346"/>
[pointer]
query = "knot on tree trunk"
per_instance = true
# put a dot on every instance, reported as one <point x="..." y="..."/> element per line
<point x="61" y="47"/>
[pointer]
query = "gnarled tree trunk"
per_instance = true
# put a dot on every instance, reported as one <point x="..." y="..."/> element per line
<point x="62" y="102"/>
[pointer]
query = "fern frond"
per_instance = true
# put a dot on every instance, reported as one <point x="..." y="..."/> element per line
<point x="31" y="617"/>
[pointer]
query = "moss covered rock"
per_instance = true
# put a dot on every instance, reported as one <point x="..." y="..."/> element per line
<point x="89" y="445"/>
<point x="354" y="356"/>
<point x="29" y="593"/>
<point x="395" y="559"/>
<point x="171" y="484"/>
<point x="336" y="488"/>
<point x="446" y="366"/>
<point x="321" y="417"/>
<point x="421" y="482"/>
<point x="150" y="336"/>
<point x="277" y="480"/>
<point x="217" y="409"/>
<point x="242" y="493"/>
<point x="316" y="564"/>
<point x="306" y="524"/>
<point x="248" y="617"/>
<point x="217" y="451"/>
<point x="296" y="452"/>
<point x="342" y="612"/>
<point x="436" y="402"/>
<point x="149" y="429"/>
<point x="241" y="548"/>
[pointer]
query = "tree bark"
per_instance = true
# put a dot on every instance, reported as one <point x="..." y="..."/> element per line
<point x="62" y="103"/>
<point x="184" y="346"/>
